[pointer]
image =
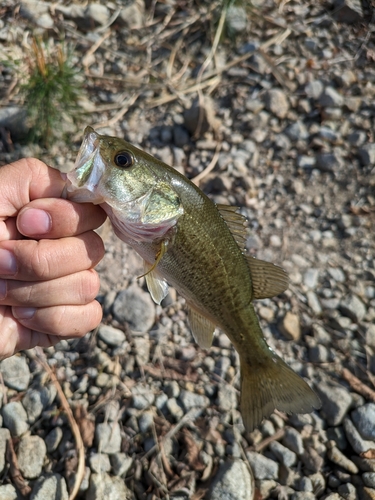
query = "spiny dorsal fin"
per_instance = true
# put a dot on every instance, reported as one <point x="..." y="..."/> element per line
<point x="156" y="285"/>
<point x="201" y="327"/>
<point x="268" y="280"/>
<point x="235" y="223"/>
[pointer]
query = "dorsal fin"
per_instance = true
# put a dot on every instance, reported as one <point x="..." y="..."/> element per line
<point x="156" y="285"/>
<point x="267" y="279"/>
<point x="235" y="223"/>
<point x="201" y="328"/>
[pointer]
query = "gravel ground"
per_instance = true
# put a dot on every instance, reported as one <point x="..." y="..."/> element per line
<point x="290" y="115"/>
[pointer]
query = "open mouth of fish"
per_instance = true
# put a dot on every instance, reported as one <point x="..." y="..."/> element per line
<point x="83" y="180"/>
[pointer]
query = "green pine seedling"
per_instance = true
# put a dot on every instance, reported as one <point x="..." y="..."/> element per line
<point x="51" y="94"/>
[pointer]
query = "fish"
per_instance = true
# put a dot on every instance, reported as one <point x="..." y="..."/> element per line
<point x="198" y="247"/>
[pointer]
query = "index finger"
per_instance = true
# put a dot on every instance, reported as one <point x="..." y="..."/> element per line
<point x="58" y="218"/>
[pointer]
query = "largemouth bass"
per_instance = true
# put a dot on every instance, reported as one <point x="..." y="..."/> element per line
<point x="196" y="246"/>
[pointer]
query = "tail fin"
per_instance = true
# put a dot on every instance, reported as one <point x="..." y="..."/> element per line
<point x="271" y="385"/>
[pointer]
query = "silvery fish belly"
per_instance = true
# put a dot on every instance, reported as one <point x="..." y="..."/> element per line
<point x="197" y="247"/>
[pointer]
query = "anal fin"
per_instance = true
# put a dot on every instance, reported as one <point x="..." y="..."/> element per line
<point x="156" y="285"/>
<point x="202" y="328"/>
<point x="267" y="279"/>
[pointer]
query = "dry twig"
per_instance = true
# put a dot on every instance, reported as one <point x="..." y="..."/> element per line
<point x="18" y="480"/>
<point x="357" y="385"/>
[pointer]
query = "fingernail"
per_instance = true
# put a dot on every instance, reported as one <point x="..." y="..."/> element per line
<point x="8" y="264"/>
<point x="32" y="221"/>
<point x="23" y="312"/>
<point x="3" y="289"/>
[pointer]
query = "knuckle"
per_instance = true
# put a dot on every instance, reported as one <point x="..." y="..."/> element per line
<point x="89" y="286"/>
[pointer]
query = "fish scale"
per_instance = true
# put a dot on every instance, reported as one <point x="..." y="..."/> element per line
<point x="198" y="247"/>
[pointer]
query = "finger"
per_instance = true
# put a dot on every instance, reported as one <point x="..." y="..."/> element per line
<point x="67" y="321"/>
<point x="57" y="218"/>
<point x="75" y="289"/>
<point x="30" y="260"/>
<point x="15" y="337"/>
<point x="26" y="180"/>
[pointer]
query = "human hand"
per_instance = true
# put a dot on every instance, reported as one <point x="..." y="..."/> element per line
<point x="48" y="250"/>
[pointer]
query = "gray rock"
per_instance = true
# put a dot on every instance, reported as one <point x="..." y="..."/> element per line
<point x="38" y="12"/>
<point x="108" y="438"/>
<point x="180" y="136"/>
<point x="336" y="402"/>
<point x="318" y="354"/>
<point x="174" y="409"/>
<point x="262" y="467"/>
<point x="232" y="481"/>
<point x="357" y="138"/>
<point x="202" y="115"/>
<point x="283" y="454"/>
<point x="348" y="11"/>
<point x="364" y="420"/>
<point x="293" y="440"/>
<point x="347" y="491"/>
<point x="135" y="307"/>
<point x="97" y="14"/>
<point x="330" y="97"/>
<point x="105" y="487"/>
<point x="310" y="278"/>
<point x="369" y="479"/>
<point x="142" y="350"/>
<point x="4" y="436"/>
<point x="314" y="89"/>
<point x="50" y="487"/>
<point x="8" y="492"/>
<point x="304" y="161"/>
<point x="145" y="421"/>
<point x="16" y="373"/>
<point x="47" y="394"/>
<point x="358" y="444"/>
<point x="132" y="15"/>
<point x="236" y="19"/>
<point x="31" y="453"/>
<point x="297" y="131"/>
<point x="312" y="460"/>
<point x="303" y="495"/>
<point x="32" y="402"/>
<point x="172" y="389"/>
<point x="370" y="336"/>
<point x="99" y="462"/>
<point x="226" y="397"/>
<point x="367" y="154"/>
<point x="143" y="397"/>
<point x="337" y="457"/>
<point x="15" y="418"/>
<point x="121" y="463"/>
<point x="191" y="400"/>
<point x="329" y="162"/>
<point x="313" y="302"/>
<point x="277" y="102"/>
<point x="353" y="307"/>
<point x="111" y="336"/>
<point x="337" y="274"/>
<point x="53" y="439"/>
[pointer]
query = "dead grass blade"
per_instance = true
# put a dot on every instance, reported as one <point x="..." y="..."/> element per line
<point x="72" y="422"/>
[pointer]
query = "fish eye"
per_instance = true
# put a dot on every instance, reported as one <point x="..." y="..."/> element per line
<point x="124" y="159"/>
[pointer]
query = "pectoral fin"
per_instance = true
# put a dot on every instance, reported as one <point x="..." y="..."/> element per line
<point x="202" y="328"/>
<point x="268" y="280"/>
<point x="156" y="285"/>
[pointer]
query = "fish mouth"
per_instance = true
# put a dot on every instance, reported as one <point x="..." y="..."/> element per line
<point x="83" y="180"/>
